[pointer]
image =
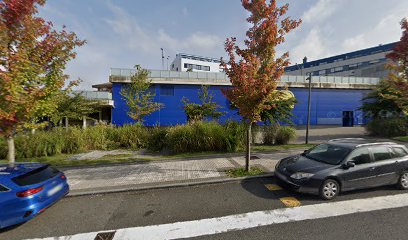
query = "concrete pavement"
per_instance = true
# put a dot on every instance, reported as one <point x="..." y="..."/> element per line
<point x="154" y="174"/>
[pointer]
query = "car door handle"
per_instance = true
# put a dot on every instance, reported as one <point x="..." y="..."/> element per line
<point x="397" y="162"/>
<point x="372" y="168"/>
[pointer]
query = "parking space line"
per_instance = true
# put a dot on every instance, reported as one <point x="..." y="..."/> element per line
<point x="273" y="187"/>
<point x="290" y="202"/>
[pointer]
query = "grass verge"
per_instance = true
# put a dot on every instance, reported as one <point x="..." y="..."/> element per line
<point x="241" y="172"/>
<point x="61" y="160"/>
<point x="402" y="138"/>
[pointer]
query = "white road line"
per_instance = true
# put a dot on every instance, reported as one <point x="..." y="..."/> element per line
<point x="250" y="220"/>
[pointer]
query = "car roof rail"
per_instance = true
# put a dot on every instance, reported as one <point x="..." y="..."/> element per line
<point x="346" y="139"/>
<point x="377" y="143"/>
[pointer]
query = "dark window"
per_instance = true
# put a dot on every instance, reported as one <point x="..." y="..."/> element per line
<point x="399" y="152"/>
<point x="3" y="188"/>
<point x="166" y="90"/>
<point x="328" y="153"/>
<point x="360" y="156"/>
<point x="36" y="176"/>
<point x="185" y="65"/>
<point x="381" y="153"/>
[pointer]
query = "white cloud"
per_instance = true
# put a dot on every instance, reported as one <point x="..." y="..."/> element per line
<point x="313" y="46"/>
<point x="320" y="11"/>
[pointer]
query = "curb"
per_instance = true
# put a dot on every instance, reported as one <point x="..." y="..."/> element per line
<point x="167" y="186"/>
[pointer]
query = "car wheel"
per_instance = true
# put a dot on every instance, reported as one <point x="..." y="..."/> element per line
<point x="403" y="181"/>
<point x="329" y="189"/>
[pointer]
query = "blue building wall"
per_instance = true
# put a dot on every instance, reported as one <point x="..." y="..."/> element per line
<point x="327" y="105"/>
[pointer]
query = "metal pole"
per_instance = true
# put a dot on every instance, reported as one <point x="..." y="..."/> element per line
<point x="162" y="58"/>
<point x="308" y="108"/>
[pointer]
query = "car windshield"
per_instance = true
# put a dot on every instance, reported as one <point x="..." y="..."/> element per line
<point x="327" y="153"/>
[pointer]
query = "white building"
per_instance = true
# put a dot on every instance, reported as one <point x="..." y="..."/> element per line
<point x="184" y="62"/>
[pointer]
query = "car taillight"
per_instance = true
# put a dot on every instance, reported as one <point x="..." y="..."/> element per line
<point x="63" y="176"/>
<point x="30" y="192"/>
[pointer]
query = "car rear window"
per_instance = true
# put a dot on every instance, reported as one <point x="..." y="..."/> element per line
<point x="3" y="188"/>
<point x="399" y="152"/>
<point x="36" y="176"/>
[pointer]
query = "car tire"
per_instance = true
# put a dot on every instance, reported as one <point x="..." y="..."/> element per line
<point x="403" y="181"/>
<point x="329" y="189"/>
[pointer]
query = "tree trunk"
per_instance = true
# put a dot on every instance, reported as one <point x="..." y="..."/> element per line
<point x="11" y="155"/>
<point x="248" y="147"/>
<point x="66" y="123"/>
<point x="83" y="122"/>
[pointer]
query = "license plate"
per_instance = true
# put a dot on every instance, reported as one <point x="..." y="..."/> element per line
<point x="54" y="190"/>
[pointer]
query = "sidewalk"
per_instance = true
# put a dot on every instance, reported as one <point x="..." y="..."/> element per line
<point x="166" y="173"/>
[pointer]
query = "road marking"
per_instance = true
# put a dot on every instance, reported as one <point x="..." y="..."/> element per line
<point x="273" y="187"/>
<point x="237" y="222"/>
<point x="290" y="201"/>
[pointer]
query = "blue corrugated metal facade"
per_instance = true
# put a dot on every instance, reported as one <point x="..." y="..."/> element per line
<point x="327" y="105"/>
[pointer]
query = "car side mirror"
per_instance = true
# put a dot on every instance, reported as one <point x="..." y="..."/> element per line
<point x="349" y="164"/>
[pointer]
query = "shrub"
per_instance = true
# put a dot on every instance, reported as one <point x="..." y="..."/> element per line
<point x="128" y="136"/>
<point x="204" y="136"/>
<point x="269" y="134"/>
<point x="96" y="138"/>
<point x="390" y="127"/>
<point x="284" y="135"/>
<point x="157" y="139"/>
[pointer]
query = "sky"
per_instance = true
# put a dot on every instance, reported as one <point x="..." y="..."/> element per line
<point x="123" y="33"/>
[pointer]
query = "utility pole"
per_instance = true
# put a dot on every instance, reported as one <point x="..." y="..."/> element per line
<point x="162" y="58"/>
<point x="308" y="107"/>
<point x="168" y="63"/>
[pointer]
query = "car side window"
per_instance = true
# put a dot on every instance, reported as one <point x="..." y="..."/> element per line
<point x="3" y="188"/>
<point x="381" y="153"/>
<point x="360" y="156"/>
<point x="399" y="152"/>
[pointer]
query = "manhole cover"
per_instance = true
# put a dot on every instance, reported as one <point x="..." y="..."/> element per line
<point x="254" y="157"/>
<point x="105" y="235"/>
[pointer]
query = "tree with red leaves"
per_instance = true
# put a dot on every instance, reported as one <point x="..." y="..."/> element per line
<point x="398" y="76"/>
<point x="32" y="59"/>
<point x="257" y="70"/>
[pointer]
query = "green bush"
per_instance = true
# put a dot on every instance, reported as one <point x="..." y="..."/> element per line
<point x="157" y="139"/>
<point x="128" y="136"/>
<point x="204" y="136"/>
<point x="390" y="127"/>
<point x="269" y="134"/>
<point x="284" y="135"/>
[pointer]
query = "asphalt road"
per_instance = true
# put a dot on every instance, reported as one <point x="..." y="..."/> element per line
<point x="74" y="215"/>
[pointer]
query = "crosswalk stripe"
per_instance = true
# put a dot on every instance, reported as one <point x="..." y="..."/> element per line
<point x="237" y="222"/>
<point x="273" y="187"/>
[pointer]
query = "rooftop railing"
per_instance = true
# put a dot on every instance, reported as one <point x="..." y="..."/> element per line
<point x="154" y="74"/>
<point x="94" y="95"/>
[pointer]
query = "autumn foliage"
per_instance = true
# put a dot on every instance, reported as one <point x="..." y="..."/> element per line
<point x="32" y="58"/>
<point x="398" y="77"/>
<point x="256" y="70"/>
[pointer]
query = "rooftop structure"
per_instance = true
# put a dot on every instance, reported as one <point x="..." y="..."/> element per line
<point x="188" y="62"/>
<point x="368" y="62"/>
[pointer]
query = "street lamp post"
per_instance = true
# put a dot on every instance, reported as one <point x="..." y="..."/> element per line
<point x="162" y="51"/>
<point x="308" y="107"/>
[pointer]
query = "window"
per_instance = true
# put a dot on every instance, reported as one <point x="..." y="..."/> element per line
<point x="381" y="153"/>
<point x="353" y="66"/>
<point x="3" y="188"/>
<point x="166" y="90"/>
<point x="338" y="69"/>
<point x="322" y="72"/>
<point x="360" y="156"/>
<point x="399" y="152"/>
<point x="328" y="153"/>
<point x="36" y="176"/>
<point x="185" y="65"/>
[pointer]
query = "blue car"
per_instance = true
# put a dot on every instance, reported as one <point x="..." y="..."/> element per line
<point x="27" y="189"/>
